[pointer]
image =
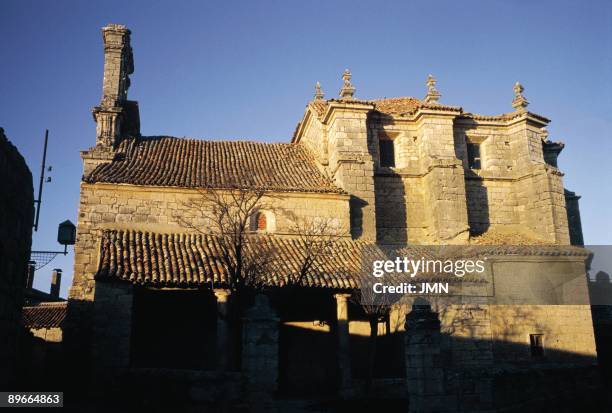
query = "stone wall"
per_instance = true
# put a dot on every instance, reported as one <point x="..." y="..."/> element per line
<point x="16" y="218"/>
<point x="351" y="165"/>
<point x="456" y="367"/>
<point x="401" y="214"/>
<point x="112" y="329"/>
<point x="166" y="210"/>
<point x="514" y="188"/>
<point x="432" y="195"/>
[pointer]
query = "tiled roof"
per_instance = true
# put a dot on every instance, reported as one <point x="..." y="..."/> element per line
<point x="193" y="259"/>
<point x="189" y="163"/>
<point x="493" y="237"/>
<point x="396" y="106"/>
<point x="189" y="260"/>
<point x="44" y="315"/>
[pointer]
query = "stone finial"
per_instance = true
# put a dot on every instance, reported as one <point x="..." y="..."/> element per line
<point x="519" y="103"/>
<point x="319" y="95"/>
<point x="432" y="93"/>
<point x="348" y="90"/>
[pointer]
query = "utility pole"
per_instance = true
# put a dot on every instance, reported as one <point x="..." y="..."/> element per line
<point x="38" y="201"/>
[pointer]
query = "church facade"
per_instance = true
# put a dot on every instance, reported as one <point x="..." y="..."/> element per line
<point x="394" y="171"/>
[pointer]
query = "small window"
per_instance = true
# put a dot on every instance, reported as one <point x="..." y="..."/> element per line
<point x="536" y="342"/>
<point x="473" y="150"/>
<point x="262" y="221"/>
<point x="262" y="224"/>
<point x="387" y="153"/>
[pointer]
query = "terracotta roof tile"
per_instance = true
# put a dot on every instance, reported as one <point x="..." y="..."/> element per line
<point x="189" y="163"/>
<point x="188" y="260"/>
<point x="396" y="106"/>
<point x="44" y="315"/>
<point x="192" y="259"/>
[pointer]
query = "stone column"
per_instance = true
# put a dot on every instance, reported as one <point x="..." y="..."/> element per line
<point x="424" y="372"/>
<point x="260" y="353"/>
<point x="112" y="332"/>
<point x="343" y="351"/>
<point x="223" y="339"/>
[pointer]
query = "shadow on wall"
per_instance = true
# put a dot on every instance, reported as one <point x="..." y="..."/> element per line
<point x="391" y="202"/>
<point x="461" y="373"/>
<point x="600" y="292"/>
<point x="497" y="373"/>
<point x="477" y="204"/>
<point x="356" y="206"/>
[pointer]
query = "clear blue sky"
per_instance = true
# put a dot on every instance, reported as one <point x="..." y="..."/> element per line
<point x="229" y="69"/>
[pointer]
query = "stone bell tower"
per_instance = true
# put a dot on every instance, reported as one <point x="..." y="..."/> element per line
<point x="116" y="116"/>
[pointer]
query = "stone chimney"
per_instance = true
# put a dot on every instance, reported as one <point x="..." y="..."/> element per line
<point x="118" y="65"/>
<point x="116" y="116"/>
<point x="30" y="275"/>
<point x="56" y="281"/>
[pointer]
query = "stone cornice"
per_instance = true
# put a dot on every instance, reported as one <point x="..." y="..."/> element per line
<point x="178" y="190"/>
<point x="348" y="105"/>
<point x="505" y="119"/>
<point x="469" y="175"/>
<point x="440" y="163"/>
<point x="302" y="124"/>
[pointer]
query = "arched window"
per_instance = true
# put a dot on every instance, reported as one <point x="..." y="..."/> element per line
<point x="262" y="222"/>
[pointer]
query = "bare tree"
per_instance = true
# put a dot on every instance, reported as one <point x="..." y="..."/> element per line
<point x="227" y="215"/>
<point x="317" y="239"/>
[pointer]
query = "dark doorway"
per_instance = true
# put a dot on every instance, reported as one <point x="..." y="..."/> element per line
<point x="308" y="363"/>
<point x="174" y="329"/>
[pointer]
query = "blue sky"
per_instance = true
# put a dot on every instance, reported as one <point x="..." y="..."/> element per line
<point x="245" y="69"/>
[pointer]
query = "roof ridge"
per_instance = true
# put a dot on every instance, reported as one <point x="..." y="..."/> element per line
<point x="212" y="140"/>
<point x="167" y="161"/>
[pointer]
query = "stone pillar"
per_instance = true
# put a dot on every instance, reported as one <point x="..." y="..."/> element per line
<point x="343" y="351"/>
<point x="112" y="332"/>
<point x="260" y="353"/>
<point x="424" y="370"/>
<point x="223" y="334"/>
<point x="352" y="164"/>
<point x="444" y="182"/>
<point x="573" y="218"/>
<point x="445" y="187"/>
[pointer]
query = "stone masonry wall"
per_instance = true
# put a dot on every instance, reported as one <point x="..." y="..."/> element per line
<point x="431" y="195"/>
<point x="352" y="167"/>
<point x="112" y="330"/>
<point x="16" y="217"/>
<point x="514" y="188"/>
<point x="165" y="210"/>
<point x="401" y="213"/>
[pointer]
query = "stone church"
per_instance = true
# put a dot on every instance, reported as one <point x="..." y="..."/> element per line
<point x="148" y="297"/>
